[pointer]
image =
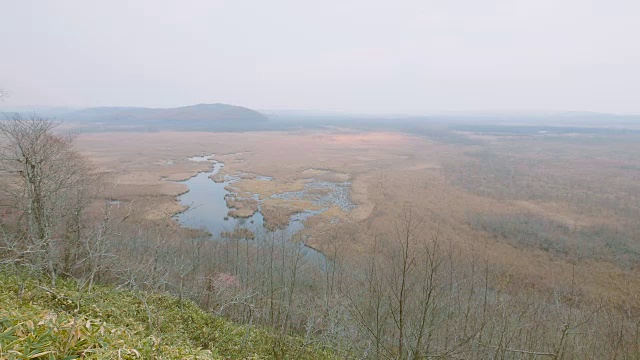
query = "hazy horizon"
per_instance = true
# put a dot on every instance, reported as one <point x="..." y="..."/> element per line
<point x="364" y="57"/>
<point x="316" y="112"/>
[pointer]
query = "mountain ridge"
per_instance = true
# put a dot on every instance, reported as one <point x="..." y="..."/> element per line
<point x="216" y="112"/>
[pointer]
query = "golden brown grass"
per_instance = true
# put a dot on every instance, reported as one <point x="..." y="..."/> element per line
<point x="241" y="207"/>
<point x="267" y="188"/>
<point x="387" y="172"/>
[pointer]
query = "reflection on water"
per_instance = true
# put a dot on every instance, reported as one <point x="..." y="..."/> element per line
<point x="208" y="209"/>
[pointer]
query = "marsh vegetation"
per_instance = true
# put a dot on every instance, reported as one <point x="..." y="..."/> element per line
<point x="429" y="248"/>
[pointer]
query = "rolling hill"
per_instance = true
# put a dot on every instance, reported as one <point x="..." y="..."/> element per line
<point x="200" y="112"/>
<point x="216" y="117"/>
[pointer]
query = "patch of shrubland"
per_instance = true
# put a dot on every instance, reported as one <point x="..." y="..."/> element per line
<point x="38" y="321"/>
<point x="589" y="182"/>
<point x="527" y="230"/>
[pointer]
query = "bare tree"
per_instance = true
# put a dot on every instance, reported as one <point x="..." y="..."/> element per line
<point x="47" y="183"/>
<point x="4" y="93"/>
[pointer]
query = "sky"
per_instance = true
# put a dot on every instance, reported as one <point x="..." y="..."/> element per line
<point x="366" y="56"/>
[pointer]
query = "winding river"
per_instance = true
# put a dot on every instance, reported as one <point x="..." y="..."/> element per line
<point x="207" y="209"/>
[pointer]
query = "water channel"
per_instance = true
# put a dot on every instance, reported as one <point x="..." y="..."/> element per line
<point x="207" y="209"/>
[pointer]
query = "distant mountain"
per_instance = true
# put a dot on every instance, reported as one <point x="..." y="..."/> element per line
<point x="194" y="113"/>
<point x="229" y="118"/>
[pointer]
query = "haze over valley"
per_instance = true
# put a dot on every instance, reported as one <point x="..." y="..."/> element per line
<point x="354" y="180"/>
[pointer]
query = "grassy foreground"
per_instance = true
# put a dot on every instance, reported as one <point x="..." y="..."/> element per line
<point x="40" y="322"/>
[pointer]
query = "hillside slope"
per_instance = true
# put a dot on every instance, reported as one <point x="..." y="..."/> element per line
<point x="39" y="322"/>
<point x="201" y="117"/>
<point x="200" y="112"/>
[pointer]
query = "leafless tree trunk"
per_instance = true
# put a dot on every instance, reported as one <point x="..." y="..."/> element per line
<point x="47" y="182"/>
<point x="4" y="93"/>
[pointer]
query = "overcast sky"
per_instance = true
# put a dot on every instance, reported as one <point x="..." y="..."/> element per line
<point x="360" y="56"/>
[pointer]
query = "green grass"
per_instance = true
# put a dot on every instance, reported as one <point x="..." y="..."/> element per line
<point x="40" y="322"/>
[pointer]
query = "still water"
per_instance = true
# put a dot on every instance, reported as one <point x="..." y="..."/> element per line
<point x="208" y="208"/>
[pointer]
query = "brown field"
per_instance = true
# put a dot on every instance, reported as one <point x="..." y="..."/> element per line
<point x="460" y="190"/>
